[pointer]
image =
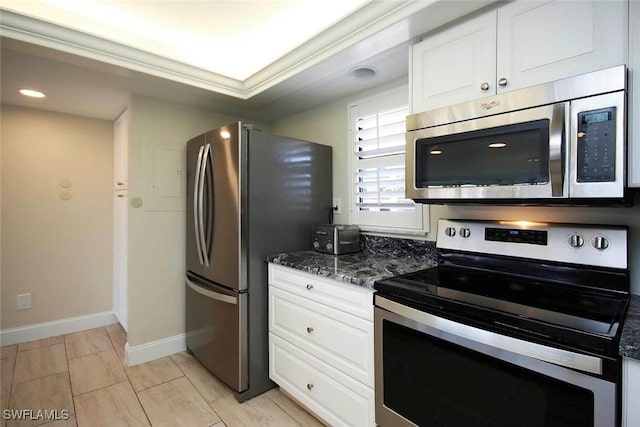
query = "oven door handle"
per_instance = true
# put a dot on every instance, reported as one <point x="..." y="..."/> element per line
<point x="545" y="353"/>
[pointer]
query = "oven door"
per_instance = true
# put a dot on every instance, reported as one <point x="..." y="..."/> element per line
<point x="430" y="371"/>
<point x="516" y="155"/>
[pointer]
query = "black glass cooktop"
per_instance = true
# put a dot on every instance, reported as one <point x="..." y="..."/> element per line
<point x="557" y="303"/>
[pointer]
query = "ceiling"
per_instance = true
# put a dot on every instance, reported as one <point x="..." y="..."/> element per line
<point x="233" y="38"/>
<point x="91" y="74"/>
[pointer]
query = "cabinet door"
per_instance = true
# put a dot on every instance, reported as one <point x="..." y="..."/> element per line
<point x="120" y="222"/>
<point x="542" y="41"/>
<point x="630" y="392"/>
<point x="334" y="397"/>
<point x="455" y="65"/>
<point x="352" y="299"/>
<point x="634" y="94"/>
<point x="335" y="337"/>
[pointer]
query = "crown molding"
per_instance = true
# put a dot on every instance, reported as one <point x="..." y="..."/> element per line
<point x="366" y="22"/>
<point x="46" y="34"/>
<point x="370" y="19"/>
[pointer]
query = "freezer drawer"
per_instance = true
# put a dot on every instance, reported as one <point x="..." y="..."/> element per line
<point x="216" y="326"/>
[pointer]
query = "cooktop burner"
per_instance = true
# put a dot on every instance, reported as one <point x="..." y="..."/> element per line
<point x="565" y="295"/>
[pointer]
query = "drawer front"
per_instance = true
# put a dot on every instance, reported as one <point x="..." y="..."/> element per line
<point x="353" y="299"/>
<point x="334" y="397"/>
<point x="342" y="340"/>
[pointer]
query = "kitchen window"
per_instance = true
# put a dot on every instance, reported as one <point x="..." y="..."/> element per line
<point x="377" y="175"/>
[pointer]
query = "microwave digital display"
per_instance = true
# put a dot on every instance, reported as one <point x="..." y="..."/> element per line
<point x="601" y="116"/>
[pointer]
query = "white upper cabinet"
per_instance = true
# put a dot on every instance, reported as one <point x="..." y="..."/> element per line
<point x="544" y="41"/>
<point x="454" y="65"/>
<point x="521" y="44"/>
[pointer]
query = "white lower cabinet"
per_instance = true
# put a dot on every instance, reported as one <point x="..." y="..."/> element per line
<point x="321" y="345"/>
<point x="630" y="392"/>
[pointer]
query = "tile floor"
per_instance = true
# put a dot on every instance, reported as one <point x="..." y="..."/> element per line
<point x="84" y="374"/>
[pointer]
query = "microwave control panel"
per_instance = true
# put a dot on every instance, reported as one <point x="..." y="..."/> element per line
<point x="596" y="145"/>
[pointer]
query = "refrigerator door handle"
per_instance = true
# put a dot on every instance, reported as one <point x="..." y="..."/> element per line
<point x="201" y="237"/>
<point x="210" y="208"/>
<point x="196" y="205"/>
<point x="212" y="294"/>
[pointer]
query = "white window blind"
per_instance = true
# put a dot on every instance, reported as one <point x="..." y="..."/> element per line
<point x="378" y="166"/>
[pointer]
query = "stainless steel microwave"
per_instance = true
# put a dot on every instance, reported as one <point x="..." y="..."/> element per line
<point x="562" y="142"/>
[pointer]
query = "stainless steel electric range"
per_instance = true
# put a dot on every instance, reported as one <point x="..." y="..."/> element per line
<point x="518" y="325"/>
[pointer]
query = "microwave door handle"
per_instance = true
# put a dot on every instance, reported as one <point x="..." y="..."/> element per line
<point x="196" y="204"/>
<point x="556" y="150"/>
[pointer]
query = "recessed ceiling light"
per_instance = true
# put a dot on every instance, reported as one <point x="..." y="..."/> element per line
<point x="32" y="93"/>
<point x="362" y="73"/>
<point x="497" y="145"/>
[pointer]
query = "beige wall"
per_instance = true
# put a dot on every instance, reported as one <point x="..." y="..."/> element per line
<point x="156" y="231"/>
<point x="328" y="124"/>
<point x="58" y="250"/>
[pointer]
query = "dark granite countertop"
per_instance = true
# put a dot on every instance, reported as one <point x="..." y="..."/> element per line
<point x="630" y="339"/>
<point x="361" y="268"/>
<point x="380" y="258"/>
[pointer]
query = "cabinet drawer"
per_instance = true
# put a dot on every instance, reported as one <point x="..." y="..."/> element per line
<point x="339" y="339"/>
<point x="333" y="396"/>
<point x="353" y="299"/>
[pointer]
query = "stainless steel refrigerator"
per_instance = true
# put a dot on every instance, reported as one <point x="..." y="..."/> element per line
<point x="250" y="194"/>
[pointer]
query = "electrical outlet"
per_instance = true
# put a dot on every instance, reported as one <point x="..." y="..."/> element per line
<point x="23" y="302"/>
<point x="337" y="206"/>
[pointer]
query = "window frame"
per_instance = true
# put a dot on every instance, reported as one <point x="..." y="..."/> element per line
<point x="399" y="223"/>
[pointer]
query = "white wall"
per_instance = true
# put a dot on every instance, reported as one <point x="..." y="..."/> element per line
<point x="328" y="124"/>
<point x="58" y="250"/>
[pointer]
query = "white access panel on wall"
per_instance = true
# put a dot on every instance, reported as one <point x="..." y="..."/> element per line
<point x="164" y="178"/>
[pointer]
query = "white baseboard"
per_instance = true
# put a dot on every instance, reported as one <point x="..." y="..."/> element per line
<point x="121" y="320"/>
<point x="57" y="327"/>
<point x="154" y="350"/>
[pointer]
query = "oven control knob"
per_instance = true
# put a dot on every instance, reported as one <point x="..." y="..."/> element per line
<point x="329" y="247"/>
<point x="450" y="231"/>
<point x="576" y="241"/>
<point x="465" y="232"/>
<point x="600" y="243"/>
